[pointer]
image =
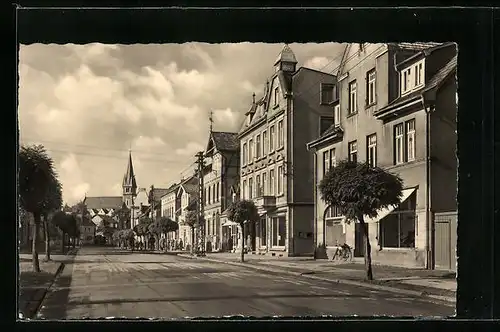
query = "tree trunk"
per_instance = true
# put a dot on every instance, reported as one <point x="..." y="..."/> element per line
<point x="47" y="237"/>
<point x="368" y="249"/>
<point x="34" y="252"/>
<point x="192" y="240"/>
<point x="242" y="242"/>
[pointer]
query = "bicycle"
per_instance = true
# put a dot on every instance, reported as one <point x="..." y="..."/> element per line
<point x="343" y="252"/>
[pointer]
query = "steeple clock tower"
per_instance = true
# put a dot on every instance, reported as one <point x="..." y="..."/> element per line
<point x="129" y="184"/>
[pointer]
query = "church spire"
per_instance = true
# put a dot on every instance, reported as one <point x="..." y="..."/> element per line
<point x="129" y="178"/>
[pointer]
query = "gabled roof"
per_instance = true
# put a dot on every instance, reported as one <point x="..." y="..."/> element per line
<point x="104" y="202"/>
<point x="158" y="193"/>
<point x="172" y="189"/>
<point x="442" y="74"/>
<point x="107" y="218"/>
<point x="225" y="141"/>
<point x="190" y="186"/>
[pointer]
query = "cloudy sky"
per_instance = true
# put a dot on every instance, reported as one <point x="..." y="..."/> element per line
<point x="89" y="104"/>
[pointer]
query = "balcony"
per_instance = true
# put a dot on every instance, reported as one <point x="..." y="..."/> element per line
<point x="265" y="202"/>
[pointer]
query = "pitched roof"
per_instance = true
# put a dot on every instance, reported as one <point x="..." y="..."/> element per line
<point x="190" y="185"/>
<point x="416" y="46"/>
<point x="158" y="193"/>
<point x="114" y="202"/>
<point x="286" y="54"/>
<point x="225" y="141"/>
<point x="442" y="74"/>
<point x="129" y="177"/>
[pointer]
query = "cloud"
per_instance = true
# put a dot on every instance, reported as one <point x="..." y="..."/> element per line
<point x="71" y="176"/>
<point x="317" y="63"/>
<point x="190" y="149"/>
<point x="88" y="104"/>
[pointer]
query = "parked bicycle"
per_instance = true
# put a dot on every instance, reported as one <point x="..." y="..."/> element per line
<point x="343" y="252"/>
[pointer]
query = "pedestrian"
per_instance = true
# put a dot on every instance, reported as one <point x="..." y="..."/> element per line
<point x="181" y="244"/>
<point x="230" y="244"/>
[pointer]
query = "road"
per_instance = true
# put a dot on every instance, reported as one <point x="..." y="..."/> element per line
<point x="105" y="282"/>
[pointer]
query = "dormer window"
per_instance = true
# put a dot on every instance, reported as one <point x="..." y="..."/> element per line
<point x="412" y="77"/>
<point x="276" y="92"/>
<point x="336" y="115"/>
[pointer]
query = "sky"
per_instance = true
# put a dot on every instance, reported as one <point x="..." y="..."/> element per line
<point x="90" y="104"/>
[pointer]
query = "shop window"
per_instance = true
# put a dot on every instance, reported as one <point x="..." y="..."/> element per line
<point x="278" y="231"/>
<point x="263" y="232"/>
<point x="397" y="230"/>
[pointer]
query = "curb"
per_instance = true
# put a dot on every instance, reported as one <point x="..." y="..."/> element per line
<point x="336" y="280"/>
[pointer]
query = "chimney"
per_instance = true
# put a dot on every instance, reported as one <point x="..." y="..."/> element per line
<point x="253" y="98"/>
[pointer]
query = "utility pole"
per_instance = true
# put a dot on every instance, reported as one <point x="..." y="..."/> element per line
<point x="200" y="161"/>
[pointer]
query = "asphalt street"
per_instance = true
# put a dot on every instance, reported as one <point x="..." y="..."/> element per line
<point x="105" y="282"/>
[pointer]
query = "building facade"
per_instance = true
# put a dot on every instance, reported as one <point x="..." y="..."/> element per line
<point x="222" y="172"/>
<point x="384" y="117"/>
<point x="294" y="109"/>
<point x="187" y="193"/>
<point x="87" y="232"/>
<point x="170" y="204"/>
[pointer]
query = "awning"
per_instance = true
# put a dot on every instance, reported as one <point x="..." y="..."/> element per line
<point x="382" y="213"/>
<point x="229" y="223"/>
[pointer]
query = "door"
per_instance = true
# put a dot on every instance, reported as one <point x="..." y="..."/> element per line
<point x="442" y="245"/>
<point x="359" y="250"/>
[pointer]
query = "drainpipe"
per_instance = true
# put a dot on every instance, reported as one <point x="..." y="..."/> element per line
<point x="429" y="243"/>
<point x="315" y="197"/>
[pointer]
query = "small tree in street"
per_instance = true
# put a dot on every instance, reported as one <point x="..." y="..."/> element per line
<point x="359" y="190"/>
<point x="243" y="212"/>
<point x="53" y="203"/>
<point x="36" y="183"/>
<point x="192" y="222"/>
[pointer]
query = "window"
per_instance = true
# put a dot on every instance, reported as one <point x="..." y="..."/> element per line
<point x="257" y="147"/>
<point x="353" y="151"/>
<point x="333" y="158"/>
<point x="244" y="154"/>
<point x="218" y="192"/>
<point x="324" y="123"/>
<point x="419" y="74"/>
<point x="276" y="95"/>
<point x="327" y="93"/>
<point x="258" y="187"/>
<point x="405" y="80"/>
<point x="250" y="188"/>
<point x="281" y="135"/>
<point x="410" y="140"/>
<point x="265" y="144"/>
<point x="336" y="115"/>
<point x="207" y="196"/>
<point x="244" y="191"/>
<point x="250" y="151"/>
<point x="371" y="77"/>
<point x="353" y="98"/>
<point x="280" y="180"/>
<point x="371" y="150"/>
<point x="278" y="231"/>
<point x="263" y="232"/>
<point x="264" y="183"/>
<point x="271" y="139"/>
<point x="397" y="230"/>
<point x="214" y="199"/>
<point x="271" y="182"/>
<point x="334" y="233"/>
<point x="398" y="144"/>
<point x="326" y="162"/>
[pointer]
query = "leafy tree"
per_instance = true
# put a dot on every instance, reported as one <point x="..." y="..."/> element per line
<point x="36" y="181"/>
<point x="359" y="190"/>
<point x="192" y="222"/>
<point x="53" y="202"/>
<point x="243" y="212"/>
<point x="123" y="216"/>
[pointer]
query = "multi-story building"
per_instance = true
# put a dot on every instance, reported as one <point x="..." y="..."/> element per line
<point x="397" y="111"/>
<point x="222" y="172"/>
<point x="87" y="231"/>
<point x="187" y="193"/>
<point x="170" y="204"/>
<point x="276" y="167"/>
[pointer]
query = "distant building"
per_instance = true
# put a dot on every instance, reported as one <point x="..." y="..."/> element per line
<point x="187" y="193"/>
<point x="87" y="231"/>
<point x="170" y="205"/>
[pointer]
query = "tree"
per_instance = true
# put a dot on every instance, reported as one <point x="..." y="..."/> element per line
<point x="123" y="216"/>
<point x="192" y="222"/>
<point x="53" y="202"/>
<point x="60" y="220"/>
<point x="243" y="212"/>
<point x="36" y="177"/>
<point x="359" y="190"/>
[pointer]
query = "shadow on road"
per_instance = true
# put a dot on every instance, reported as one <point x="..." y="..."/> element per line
<point x="55" y="302"/>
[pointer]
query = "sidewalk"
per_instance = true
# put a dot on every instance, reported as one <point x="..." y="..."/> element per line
<point x="435" y="284"/>
<point x="33" y="286"/>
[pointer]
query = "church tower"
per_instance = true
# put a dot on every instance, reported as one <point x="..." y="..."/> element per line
<point x="286" y="60"/>
<point x="129" y="184"/>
